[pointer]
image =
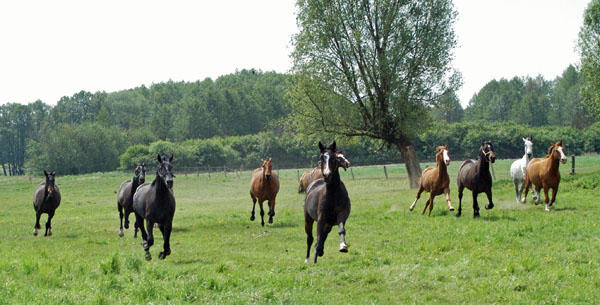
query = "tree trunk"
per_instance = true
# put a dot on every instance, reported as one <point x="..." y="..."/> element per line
<point x="409" y="155"/>
<point x="4" y="169"/>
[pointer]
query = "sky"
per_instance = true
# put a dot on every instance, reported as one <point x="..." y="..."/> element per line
<point x="50" y="49"/>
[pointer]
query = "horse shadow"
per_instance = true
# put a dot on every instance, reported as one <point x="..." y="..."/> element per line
<point x="565" y="209"/>
<point x="180" y="229"/>
<point x="496" y="218"/>
<point x="284" y="224"/>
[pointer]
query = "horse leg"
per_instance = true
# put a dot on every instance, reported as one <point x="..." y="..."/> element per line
<point x="271" y="210"/>
<point x="526" y="185"/>
<point x="150" y="241"/>
<point x="460" y="195"/>
<point x="49" y="224"/>
<point x="253" y="206"/>
<point x="546" y="197"/>
<point x="429" y="204"/>
<point x="517" y="192"/>
<point x="447" y="193"/>
<point x="412" y="206"/>
<point x="342" y="232"/>
<point x="37" y="226"/>
<point x="166" y="232"/>
<point x="490" y="204"/>
<point x="262" y="213"/>
<point x="127" y="212"/>
<point x="475" y="205"/>
<point x="522" y="186"/>
<point x="537" y="199"/>
<point x="139" y="223"/>
<point x="308" y="225"/>
<point x="554" y="191"/>
<point x="121" y="234"/>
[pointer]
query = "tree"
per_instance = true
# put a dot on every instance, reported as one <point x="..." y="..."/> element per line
<point x="448" y="108"/>
<point x="589" y="49"/>
<point x="372" y="68"/>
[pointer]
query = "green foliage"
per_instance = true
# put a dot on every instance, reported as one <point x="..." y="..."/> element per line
<point x="589" y="49"/>
<point x="135" y="154"/>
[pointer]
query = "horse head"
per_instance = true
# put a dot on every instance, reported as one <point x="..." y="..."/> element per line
<point x="487" y="151"/>
<point x="329" y="161"/>
<point x="165" y="170"/>
<point x="344" y="163"/>
<point x="267" y="168"/>
<point x="528" y="147"/>
<point x="556" y="151"/>
<point x="140" y="173"/>
<point x="442" y="151"/>
<point x="50" y="179"/>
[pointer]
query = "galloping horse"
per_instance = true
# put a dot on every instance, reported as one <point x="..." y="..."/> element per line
<point x="46" y="199"/>
<point x="264" y="186"/>
<point x="155" y="203"/>
<point x="519" y="167"/>
<point x="310" y="176"/>
<point x="435" y="180"/>
<point x="125" y="197"/>
<point x="544" y="173"/>
<point x="327" y="203"/>
<point x="475" y="175"/>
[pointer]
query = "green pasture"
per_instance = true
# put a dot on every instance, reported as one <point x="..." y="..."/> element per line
<point x="514" y="254"/>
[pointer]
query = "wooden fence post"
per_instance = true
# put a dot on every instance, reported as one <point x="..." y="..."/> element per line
<point x="224" y="171"/>
<point x="209" y="171"/>
<point x="351" y="172"/>
<point x="385" y="171"/>
<point x="572" y="164"/>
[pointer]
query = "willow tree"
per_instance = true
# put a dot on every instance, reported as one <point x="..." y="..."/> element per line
<point x="589" y="49"/>
<point x="372" y="68"/>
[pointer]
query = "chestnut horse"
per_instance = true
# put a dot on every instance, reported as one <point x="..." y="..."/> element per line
<point x="519" y="167"/>
<point x="125" y="196"/>
<point x="264" y="187"/>
<point x="308" y="177"/>
<point x="327" y="203"/>
<point x="544" y="173"/>
<point x="155" y="203"/>
<point x="475" y="175"/>
<point x="435" y="180"/>
<point x="46" y="199"/>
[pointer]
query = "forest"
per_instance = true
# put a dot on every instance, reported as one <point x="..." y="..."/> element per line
<point x="239" y="118"/>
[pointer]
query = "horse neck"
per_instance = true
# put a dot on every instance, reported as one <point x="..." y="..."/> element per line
<point x="526" y="159"/>
<point x="134" y="184"/>
<point x="552" y="165"/>
<point x="483" y="163"/>
<point x="335" y="181"/>
<point x="160" y="187"/>
<point x="441" y="165"/>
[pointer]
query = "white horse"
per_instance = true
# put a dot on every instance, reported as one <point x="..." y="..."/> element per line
<point x="518" y="168"/>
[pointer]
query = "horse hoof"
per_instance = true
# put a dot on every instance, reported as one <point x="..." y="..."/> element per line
<point x="489" y="206"/>
<point x="121" y="234"/>
<point x="126" y="226"/>
<point x="458" y="215"/>
<point x="148" y="256"/>
<point x="252" y="218"/>
<point x="271" y="220"/>
<point x="306" y="261"/>
<point x="451" y="209"/>
<point x="35" y="232"/>
<point x="476" y="216"/>
<point x="343" y="248"/>
<point x="49" y="233"/>
<point x="162" y="255"/>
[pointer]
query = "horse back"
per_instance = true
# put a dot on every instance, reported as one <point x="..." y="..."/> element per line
<point x="537" y="172"/>
<point x="124" y="192"/>
<point x="466" y="170"/>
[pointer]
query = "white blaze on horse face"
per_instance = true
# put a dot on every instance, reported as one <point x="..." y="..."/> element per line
<point x="528" y="147"/>
<point x="326" y="169"/>
<point x="446" y="157"/>
<point x="563" y="158"/>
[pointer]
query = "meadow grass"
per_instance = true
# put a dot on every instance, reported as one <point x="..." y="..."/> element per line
<point x="514" y="254"/>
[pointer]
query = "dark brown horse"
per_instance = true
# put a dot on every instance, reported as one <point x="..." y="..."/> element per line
<point x="264" y="186"/>
<point x="435" y="180"/>
<point x="155" y="203"/>
<point x="544" y="173"/>
<point x="327" y="203"/>
<point x="310" y="176"/>
<point x="46" y="199"/>
<point x="475" y="175"/>
<point x="125" y="197"/>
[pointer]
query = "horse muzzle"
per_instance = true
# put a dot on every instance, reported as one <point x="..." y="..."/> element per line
<point x="170" y="184"/>
<point x="529" y="155"/>
<point x="563" y="160"/>
<point x="268" y="177"/>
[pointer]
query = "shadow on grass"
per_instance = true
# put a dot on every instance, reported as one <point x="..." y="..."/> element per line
<point x="180" y="229"/>
<point x="187" y="261"/>
<point x="283" y="224"/>
<point x="496" y="218"/>
<point x="565" y="209"/>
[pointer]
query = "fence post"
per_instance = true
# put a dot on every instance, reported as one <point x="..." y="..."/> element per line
<point x="224" y="171"/>
<point x="351" y="172"/>
<point x="185" y="171"/>
<point x="209" y="171"/>
<point x="572" y="164"/>
<point x="238" y="174"/>
<point x="298" y="174"/>
<point x="385" y="171"/>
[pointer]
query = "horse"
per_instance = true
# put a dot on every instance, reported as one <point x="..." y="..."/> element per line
<point x="475" y="175"/>
<point x="544" y="173"/>
<point x="46" y="199"/>
<point x="310" y="176"/>
<point x="327" y="203"/>
<point x="435" y="180"/>
<point x="264" y="186"/>
<point x="125" y="196"/>
<point x="519" y="167"/>
<point x="155" y="203"/>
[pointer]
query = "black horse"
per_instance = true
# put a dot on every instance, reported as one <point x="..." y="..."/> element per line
<point x="46" y="199"/>
<point x="125" y="197"/>
<point x="326" y="202"/>
<point x="155" y="203"/>
<point x="475" y="175"/>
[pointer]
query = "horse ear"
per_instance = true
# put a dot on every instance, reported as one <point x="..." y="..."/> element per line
<point x="45" y="173"/>
<point x="143" y="164"/>
<point x="524" y="140"/>
<point x="171" y="159"/>
<point x="159" y="159"/>
<point x="446" y="146"/>
<point x="53" y="174"/>
<point x="321" y="148"/>
<point x="560" y="143"/>
<point x="333" y="146"/>
<point x="269" y="159"/>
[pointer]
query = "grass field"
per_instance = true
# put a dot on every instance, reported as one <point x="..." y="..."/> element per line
<point x="514" y="254"/>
